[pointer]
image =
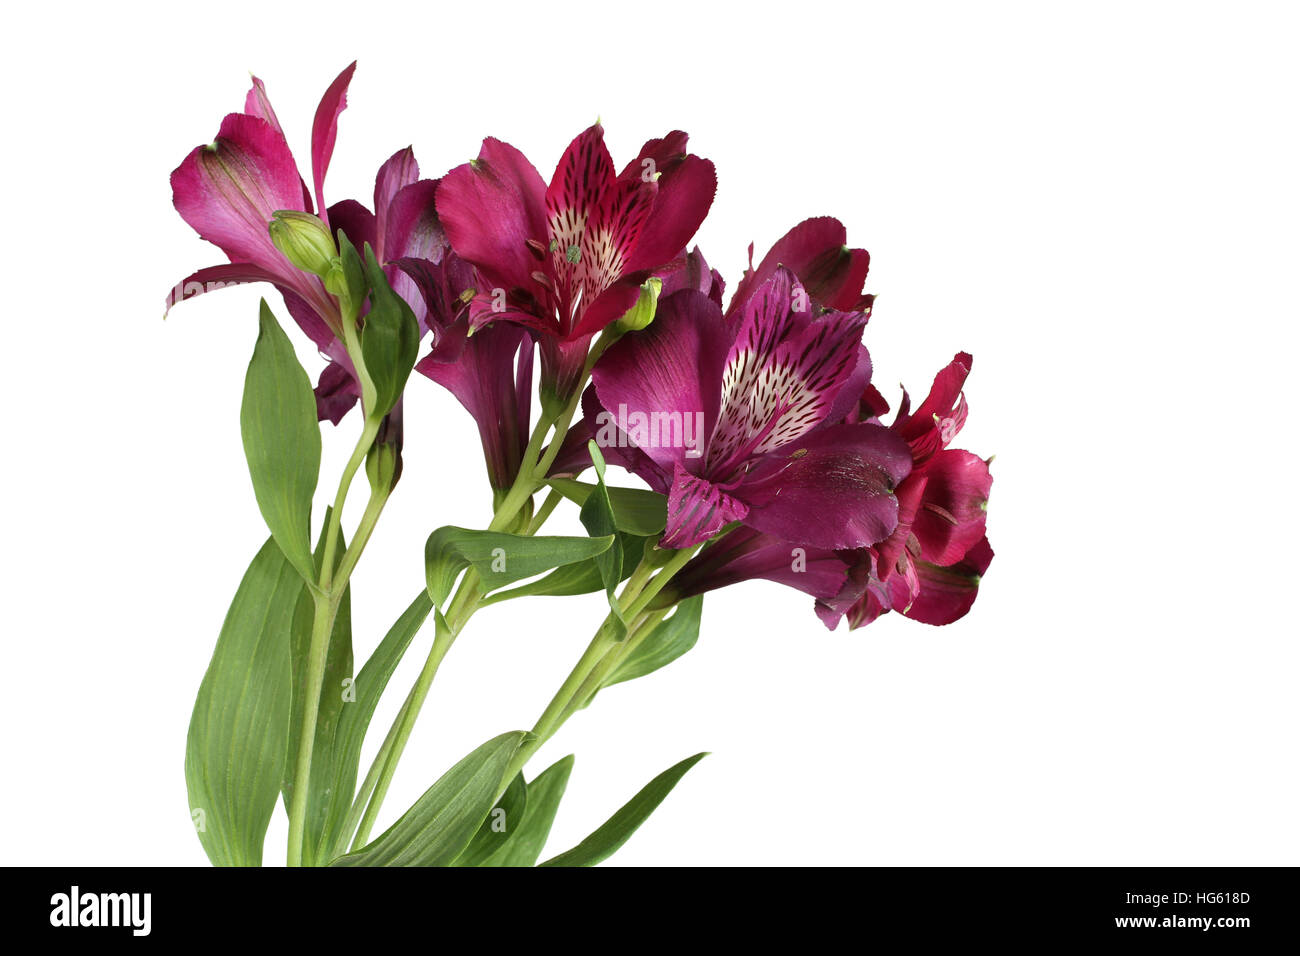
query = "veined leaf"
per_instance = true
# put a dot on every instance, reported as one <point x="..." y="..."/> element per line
<point x="544" y="794"/>
<point x="668" y="641"/>
<point x="237" y="744"/>
<point x="614" y="832"/>
<point x="438" y="827"/>
<point x="281" y="440"/>
<point x="637" y="511"/>
<point x="355" y="720"/>
<point x="582" y="577"/>
<point x="499" y="558"/>
<point x="390" y="339"/>
<point x="499" y="826"/>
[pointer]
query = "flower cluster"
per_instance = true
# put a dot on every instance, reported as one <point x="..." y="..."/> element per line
<point x="753" y="421"/>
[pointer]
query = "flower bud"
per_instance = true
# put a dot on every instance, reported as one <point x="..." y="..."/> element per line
<point x="643" y="313"/>
<point x="304" y="240"/>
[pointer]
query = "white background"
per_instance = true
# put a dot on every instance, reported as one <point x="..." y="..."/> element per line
<point x="1098" y="200"/>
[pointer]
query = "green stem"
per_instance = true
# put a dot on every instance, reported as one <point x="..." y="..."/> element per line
<point x="326" y="596"/>
<point x="637" y="593"/>
<point x="442" y="642"/>
<point x="552" y="499"/>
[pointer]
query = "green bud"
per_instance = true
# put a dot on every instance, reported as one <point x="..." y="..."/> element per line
<point x="304" y="240"/>
<point x="643" y="313"/>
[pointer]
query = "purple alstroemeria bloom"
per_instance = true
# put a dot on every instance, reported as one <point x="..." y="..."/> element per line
<point x="568" y="259"/>
<point x="735" y="419"/>
<point x="489" y="372"/>
<point x="230" y="189"/>
<point x="816" y="252"/>
<point x="930" y="567"/>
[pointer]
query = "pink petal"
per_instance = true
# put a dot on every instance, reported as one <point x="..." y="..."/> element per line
<point x="227" y="191"/>
<point x="324" y="129"/>
<point x="491" y="209"/>
<point x="947" y="594"/>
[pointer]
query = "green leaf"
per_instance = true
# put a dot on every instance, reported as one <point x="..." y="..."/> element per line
<point x="390" y="339"/>
<point x="499" y="558"/>
<point x="637" y="511"/>
<point x="614" y="832"/>
<point x="668" y="641"/>
<point x="498" y="826"/>
<point x="281" y="440"/>
<point x="581" y="577"/>
<point x="544" y="795"/>
<point x="597" y="516"/>
<point x="335" y="685"/>
<point x="438" y="827"/>
<point x="237" y="744"/>
<point x="355" y="720"/>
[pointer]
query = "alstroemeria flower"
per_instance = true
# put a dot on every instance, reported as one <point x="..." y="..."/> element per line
<point x="490" y="372"/>
<point x="568" y="259"/>
<point x="230" y="189"/>
<point x="733" y="420"/>
<point x="929" y="568"/>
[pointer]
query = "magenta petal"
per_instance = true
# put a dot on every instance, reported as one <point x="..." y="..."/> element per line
<point x="665" y="373"/>
<point x="324" y="129"/>
<point x="697" y="510"/>
<point x="217" y="277"/>
<point x="943" y="413"/>
<point x="357" y="222"/>
<point x="398" y="172"/>
<point x="815" y="251"/>
<point x="491" y="209"/>
<point x="336" y="392"/>
<point x="686" y="191"/>
<point x="784" y="372"/>
<point x="492" y="378"/>
<point x="951" y="517"/>
<point x="744" y="554"/>
<point x="228" y="190"/>
<point x="256" y="103"/>
<point x="947" y="593"/>
<point x="834" y="488"/>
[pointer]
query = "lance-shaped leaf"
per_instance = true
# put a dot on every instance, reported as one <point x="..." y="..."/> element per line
<point x="281" y="440"/>
<point x="669" y="640"/>
<point x="390" y="339"/>
<point x="442" y="822"/>
<point x="544" y="794"/>
<point x="237" y="743"/>
<point x="637" y="511"/>
<point x="355" y="719"/>
<point x="335" y="689"/>
<point x="499" y="558"/>
<point x="614" y="832"/>
<point x="582" y="577"/>
<point x="499" y="826"/>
